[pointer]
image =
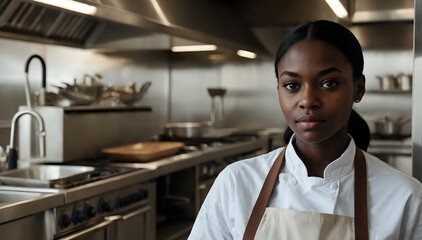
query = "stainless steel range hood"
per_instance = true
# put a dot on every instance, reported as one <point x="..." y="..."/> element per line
<point x="376" y="11"/>
<point x="199" y="20"/>
<point x="25" y="20"/>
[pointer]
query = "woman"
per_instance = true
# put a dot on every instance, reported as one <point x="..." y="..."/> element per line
<point x="321" y="185"/>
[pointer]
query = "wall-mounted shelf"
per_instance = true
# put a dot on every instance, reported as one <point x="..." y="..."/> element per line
<point x="389" y="91"/>
<point x="106" y="109"/>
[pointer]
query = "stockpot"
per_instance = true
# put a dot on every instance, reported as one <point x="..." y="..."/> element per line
<point x="388" y="82"/>
<point x="405" y="81"/>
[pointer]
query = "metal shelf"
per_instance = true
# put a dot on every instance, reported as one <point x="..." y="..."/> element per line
<point x="389" y="91"/>
<point x="99" y="108"/>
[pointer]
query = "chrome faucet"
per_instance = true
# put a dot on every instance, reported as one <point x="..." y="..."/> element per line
<point x="43" y="83"/>
<point x="12" y="155"/>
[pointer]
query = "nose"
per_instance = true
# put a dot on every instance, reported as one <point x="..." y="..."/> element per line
<point x="309" y="98"/>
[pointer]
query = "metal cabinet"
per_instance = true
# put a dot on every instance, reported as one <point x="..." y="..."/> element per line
<point x="132" y="225"/>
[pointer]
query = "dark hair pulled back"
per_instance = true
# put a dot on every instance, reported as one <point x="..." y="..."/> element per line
<point x="343" y="39"/>
<point x="329" y="32"/>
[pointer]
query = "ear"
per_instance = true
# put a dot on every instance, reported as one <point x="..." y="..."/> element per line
<point x="359" y="88"/>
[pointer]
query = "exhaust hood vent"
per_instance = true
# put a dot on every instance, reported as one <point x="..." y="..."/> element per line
<point x="28" y="21"/>
<point x="3" y="5"/>
<point x="203" y="21"/>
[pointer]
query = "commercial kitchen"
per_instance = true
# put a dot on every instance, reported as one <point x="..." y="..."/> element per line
<point x="112" y="128"/>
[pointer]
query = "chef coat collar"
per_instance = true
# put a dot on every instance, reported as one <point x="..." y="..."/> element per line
<point x="337" y="168"/>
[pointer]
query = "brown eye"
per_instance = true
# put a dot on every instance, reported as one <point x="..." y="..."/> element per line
<point x="291" y="86"/>
<point x="329" y="84"/>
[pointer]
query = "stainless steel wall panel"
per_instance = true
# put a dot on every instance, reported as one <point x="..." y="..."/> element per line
<point x="65" y="63"/>
<point x="417" y="93"/>
<point x="251" y="99"/>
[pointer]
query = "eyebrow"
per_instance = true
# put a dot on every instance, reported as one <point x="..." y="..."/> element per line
<point x="288" y="73"/>
<point x="320" y="74"/>
<point x="327" y="71"/>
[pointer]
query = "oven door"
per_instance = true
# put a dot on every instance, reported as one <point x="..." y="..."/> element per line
<point x="97" y="232"/>
<point x="134" y="224"/>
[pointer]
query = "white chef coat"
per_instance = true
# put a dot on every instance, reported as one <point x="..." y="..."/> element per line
<point x="394" y="199"/>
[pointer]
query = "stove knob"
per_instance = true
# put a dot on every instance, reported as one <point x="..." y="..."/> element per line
<point x="118" y="203"/>
<point x="77" y="216"/>
<point x="64" y="221"/>
<point x="121" y="202"/>
<point x="104" y="206"/>
<point x="143" y="193"/>
<point x="131" y="198"/>
<point x="136" y="197"/>
<point x="89" y="211"/>
<point x="126" y="200"/>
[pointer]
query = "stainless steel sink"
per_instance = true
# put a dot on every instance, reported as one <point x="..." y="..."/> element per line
<point x="45" y="175"/>
<point x="9" y="197"/>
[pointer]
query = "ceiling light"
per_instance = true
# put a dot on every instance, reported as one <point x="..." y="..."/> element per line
<point x="71" y="5"/>
<point x="246" y="54"/>
<point x="194" y="48"/>
<point x="337" y="8"/>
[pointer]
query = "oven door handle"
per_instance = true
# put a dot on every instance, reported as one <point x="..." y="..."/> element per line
<point x="85" y="231"/>
<point x="129" y="215"/>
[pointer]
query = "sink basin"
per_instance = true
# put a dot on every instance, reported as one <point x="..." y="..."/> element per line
<point x="9" y="197"/>
<point x="45" y="175"/>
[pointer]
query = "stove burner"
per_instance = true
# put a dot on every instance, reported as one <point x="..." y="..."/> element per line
<point x="102" y="171"/>
<point x="201" y="143"/>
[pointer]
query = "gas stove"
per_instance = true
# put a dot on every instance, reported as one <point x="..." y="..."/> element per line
<point x="207" y="142"/>
<point x="101" y="170"/>
<point x="106" y="208"/>
<point x="100" y="173"/>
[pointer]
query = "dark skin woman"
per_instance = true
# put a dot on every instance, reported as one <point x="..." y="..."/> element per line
<point x="321" y="185"/>
<point x="317" y="100"/>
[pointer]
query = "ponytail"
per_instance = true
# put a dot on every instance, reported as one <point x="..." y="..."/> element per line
<point x="356" y="127"/>
<point x="359" y="130"/>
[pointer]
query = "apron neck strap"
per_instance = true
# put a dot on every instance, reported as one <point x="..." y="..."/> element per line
<point x="361" y="208"/>
<point x="360" y="188"/>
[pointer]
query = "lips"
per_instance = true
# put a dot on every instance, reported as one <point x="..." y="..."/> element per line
<point x="309" y="121"/>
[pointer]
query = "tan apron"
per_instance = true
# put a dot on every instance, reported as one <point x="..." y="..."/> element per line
<point x="274" y="223"/>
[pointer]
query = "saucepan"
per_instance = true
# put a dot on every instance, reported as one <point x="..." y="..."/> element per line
<point x="81" y="95"/>
<point x="84" y="93"/>
<point x="390" y="127"/>
<point x="128" y="94"/>
<point x="187" y="130"/>
<point x="405" y="81"/>
<point x="388" y="82"/>
<point x="395" y="82"/>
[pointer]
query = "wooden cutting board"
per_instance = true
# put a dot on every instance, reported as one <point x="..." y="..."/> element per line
<point x="143" y="151"/>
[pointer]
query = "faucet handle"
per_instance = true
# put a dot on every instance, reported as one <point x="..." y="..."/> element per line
<point x="12" y="158"/>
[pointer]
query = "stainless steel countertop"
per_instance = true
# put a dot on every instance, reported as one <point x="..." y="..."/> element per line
<point x="161" y="167"/>
<point x="182" y="161"/>
<point x="37" y="200"/>
<point x="51" y="198"/>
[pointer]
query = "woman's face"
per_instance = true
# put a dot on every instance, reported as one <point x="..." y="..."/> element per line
<point x="316" y="90"/>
